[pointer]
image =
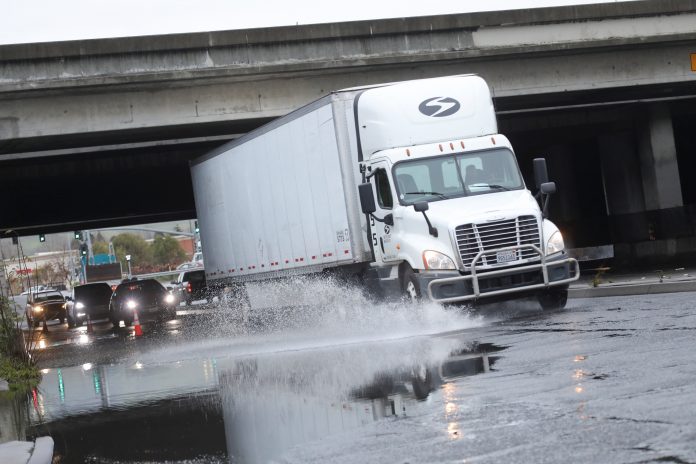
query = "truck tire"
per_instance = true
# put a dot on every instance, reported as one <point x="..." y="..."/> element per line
<point x="410" y="285"/>
<point x="553" y="299"/>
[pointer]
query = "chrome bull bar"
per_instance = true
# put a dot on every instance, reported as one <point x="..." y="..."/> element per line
<point x="474" y="276"/>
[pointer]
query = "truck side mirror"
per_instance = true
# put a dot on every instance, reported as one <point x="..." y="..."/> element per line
<point x="541" y="175"/>
<point x="547" y="188"/>
<point x="367" y="199"/>
<point x="421" y="206"/>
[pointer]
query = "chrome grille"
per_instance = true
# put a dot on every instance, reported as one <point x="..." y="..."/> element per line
<point x="473" y="238"/>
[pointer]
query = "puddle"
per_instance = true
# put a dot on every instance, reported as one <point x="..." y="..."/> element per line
<point x="241" y="408"/>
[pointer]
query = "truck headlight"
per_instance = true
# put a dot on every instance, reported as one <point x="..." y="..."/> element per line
<point x="38" y="309"/>
<point x="130" y="304"/>
<point x="169" y="298"/>
<point x="555" y="243"/>
<point x="79" y="305"/>
<point x="436" y="260"/>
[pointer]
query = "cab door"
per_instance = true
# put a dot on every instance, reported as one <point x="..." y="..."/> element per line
<point x="382" y="241"/>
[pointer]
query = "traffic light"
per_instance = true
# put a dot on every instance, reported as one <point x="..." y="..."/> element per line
<point x="197" y="230"/>
<point x="78" y="235"/>
<point x="83" y="249"/>
<point x="42" y="238"/>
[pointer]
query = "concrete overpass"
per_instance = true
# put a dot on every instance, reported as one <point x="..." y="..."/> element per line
<point x="100" y="131"/>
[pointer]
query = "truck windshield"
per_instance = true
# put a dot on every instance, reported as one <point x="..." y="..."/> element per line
<point x="443" y="177"/>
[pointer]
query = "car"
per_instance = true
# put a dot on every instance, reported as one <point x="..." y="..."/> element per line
<point x="88" y="300"/>
<point x="44" y="306"/>
<point x="197" y="259"/>
<point x="146" y="296"/>
<point x="191" y="286"/>
<point x="36" y="289"/>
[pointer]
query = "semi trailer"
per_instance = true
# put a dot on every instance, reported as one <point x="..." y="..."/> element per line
<point x="406" y="186"/>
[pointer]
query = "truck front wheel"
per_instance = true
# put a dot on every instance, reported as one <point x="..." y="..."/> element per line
<point x="410" y="285"/>
<point x="555" y="298"/>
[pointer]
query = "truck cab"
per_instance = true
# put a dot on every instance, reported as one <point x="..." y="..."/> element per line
<point x="446" y="206"/>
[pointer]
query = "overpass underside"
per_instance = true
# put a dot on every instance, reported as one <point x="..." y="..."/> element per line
<point x="100" y="132"/>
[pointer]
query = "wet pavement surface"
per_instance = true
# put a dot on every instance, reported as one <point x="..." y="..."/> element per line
<point x="606" y="380"/>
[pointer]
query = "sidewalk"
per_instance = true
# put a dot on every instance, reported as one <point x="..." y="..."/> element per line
<point x="642" y="282"/>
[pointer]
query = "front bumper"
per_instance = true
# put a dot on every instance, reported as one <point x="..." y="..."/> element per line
<point x="548" y="272"/>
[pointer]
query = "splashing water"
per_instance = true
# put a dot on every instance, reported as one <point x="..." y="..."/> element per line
<point x="309" y="312"/>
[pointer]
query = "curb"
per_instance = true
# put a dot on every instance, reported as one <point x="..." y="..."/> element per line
<point x="632" y="289"/>
<point x="26" y="452"/>
<point x="43" y="451"/>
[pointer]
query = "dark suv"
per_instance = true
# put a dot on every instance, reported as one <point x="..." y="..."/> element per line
<point x="89" y="300"/>
<point x="148" y="297"/>
<point x="191" y="286"/>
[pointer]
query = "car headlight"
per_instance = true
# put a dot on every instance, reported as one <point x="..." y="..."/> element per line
<point x="436" y="260"/>
<point x="130" y="304"/>
<point x="38" y="309"/>
<point x="555" y="243"/>
<point x="79" y="305"/>
<point x="169" y="298"/>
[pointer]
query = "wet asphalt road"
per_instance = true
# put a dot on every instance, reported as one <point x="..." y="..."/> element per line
<point x="606" y="380"/>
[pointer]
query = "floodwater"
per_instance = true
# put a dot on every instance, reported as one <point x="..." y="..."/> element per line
<point x="250" y="408"/>
<point x="248" y="391"/>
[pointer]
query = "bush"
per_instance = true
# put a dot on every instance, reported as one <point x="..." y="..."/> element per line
<point x="16" y="364"/>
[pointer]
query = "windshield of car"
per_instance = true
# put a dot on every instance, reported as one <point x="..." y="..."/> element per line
<point x="444" y="177"/>
<point x="198" y="276"/>
<point x="140" y="286"/>
<point x="94" y="292"/>
<point x="47" y="296"/>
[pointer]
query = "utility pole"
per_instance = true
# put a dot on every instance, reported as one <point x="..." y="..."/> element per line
<point x="90" y="256"/>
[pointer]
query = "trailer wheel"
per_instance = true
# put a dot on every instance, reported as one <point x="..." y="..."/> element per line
<point x="410" y="285"/>
<point x="553" y="299"/>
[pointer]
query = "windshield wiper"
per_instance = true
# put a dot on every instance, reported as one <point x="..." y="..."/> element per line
<point x="443" y="196"/>
<point x="491" y="186"/>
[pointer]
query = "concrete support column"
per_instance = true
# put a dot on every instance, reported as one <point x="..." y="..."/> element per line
<point x="658" y="160"/>
<point x="621" y="175"/>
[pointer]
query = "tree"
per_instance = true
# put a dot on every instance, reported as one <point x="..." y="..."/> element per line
<point x="100" y="248"/>
<point x="167" y="250"/>
<point x="131" y="244"/>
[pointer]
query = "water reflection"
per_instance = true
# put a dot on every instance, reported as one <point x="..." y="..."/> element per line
<point x="245" y="409"/>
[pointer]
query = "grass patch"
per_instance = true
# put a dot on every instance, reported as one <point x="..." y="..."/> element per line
<point x="20" y="375"/>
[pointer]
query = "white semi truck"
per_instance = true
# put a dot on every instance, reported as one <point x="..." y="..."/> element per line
<point x="406" y="185"/>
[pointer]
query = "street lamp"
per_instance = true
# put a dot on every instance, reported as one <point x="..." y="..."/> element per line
<point x="130" y="274"/>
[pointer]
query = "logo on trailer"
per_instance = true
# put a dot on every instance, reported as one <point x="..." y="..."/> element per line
<point x="439" y="107"/>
